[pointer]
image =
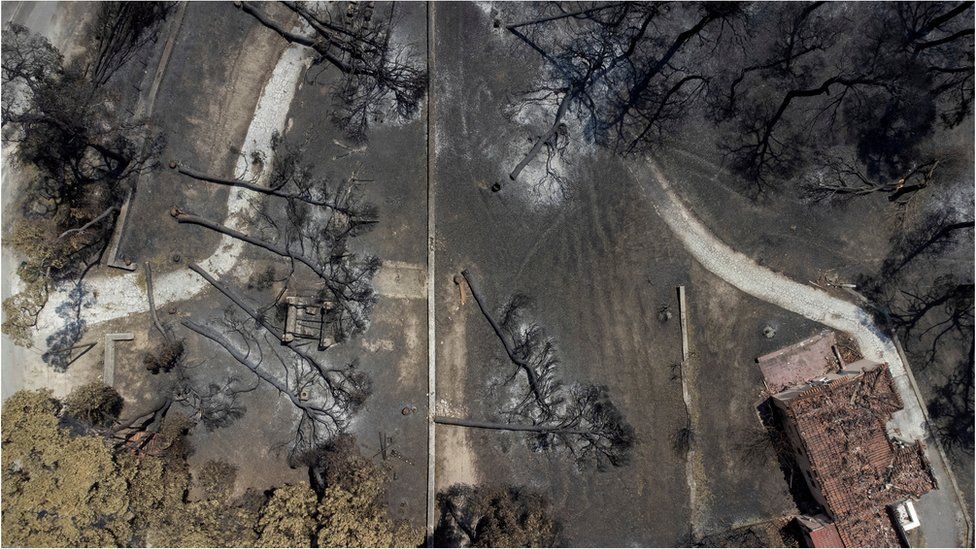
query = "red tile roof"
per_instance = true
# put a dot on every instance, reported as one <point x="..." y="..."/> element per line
<point x="842" y="428"/>
<point x="799" y="363"/>
<point x="857" y="469"/>
<point x="826" y="536"/>
<point x="868" y="529"/>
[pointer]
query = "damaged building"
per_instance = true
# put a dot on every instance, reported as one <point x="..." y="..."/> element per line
<point x="864" y="480"/>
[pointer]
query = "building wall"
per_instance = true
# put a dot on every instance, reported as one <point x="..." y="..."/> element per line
<point x="799" y="454"/>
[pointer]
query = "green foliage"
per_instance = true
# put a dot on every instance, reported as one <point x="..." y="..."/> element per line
<point x="288" y="518"/>
<point x="58" y="489"/>
<point x="65" y="489"/>
<point x="20" y="312"/>
<point x="216" y="480"/>
<point x="352" y="511"/>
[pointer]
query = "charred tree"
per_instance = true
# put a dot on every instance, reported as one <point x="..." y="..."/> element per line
<point x="312" y="220"/>
<point x="326" y="396"/>
<point x="580" y="419"/>
<point x="119" y="31"/>
<point x="377" y="77"/>
<point x="67" y="127"/>
<point x="854" y="94"/>
<point x="611" y="71"/>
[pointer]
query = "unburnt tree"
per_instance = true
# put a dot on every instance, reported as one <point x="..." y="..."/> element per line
<point x="64" y="487"/>
<point x="377" y="77"/>
<point x="580" y="419"/>
<point x="352" y="511"/>
<point x="483" y="516"/>
<point x="94" y="404"/>
<point x="628" y="72"/>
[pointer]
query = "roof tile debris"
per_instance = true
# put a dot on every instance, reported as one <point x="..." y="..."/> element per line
<point x="868" y="529"/>
<point x="858" y="470"/>
<point x="842" y="428"/>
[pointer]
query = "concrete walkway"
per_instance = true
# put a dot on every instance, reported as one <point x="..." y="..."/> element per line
<point x="943" y="514"/>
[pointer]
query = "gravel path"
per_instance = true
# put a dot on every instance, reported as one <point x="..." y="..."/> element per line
<point x="942" y="510"/>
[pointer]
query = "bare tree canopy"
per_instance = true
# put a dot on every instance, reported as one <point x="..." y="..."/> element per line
<point x="626" y="71"/>
<point x="931" y="310"/>
<point x="867" y="85"/>
<point x="119" y="31"/>
<point x="378" y="78"/>
<point x="854" y="92"/>
<point x="580" y="420"/>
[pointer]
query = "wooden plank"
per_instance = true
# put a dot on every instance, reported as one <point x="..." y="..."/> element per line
<point x="683" y="313"/>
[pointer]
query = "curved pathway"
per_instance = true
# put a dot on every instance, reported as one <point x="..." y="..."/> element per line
<point x="737" y="269"/>
<point x="122" y="295"/>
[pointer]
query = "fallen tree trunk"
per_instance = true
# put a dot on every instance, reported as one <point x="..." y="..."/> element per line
<point x="526" y="367"/>
<point x="201" y="176"/>
<point x="294" y="345"/>
<point x="548" y="136"/>
<point x="152" y="302"/>
<point x="549" y="429"/>
<point x="183" y="217"/>
<point x="241" y="357"/>
<point x="88" y="225"/>
<point x="269" y="23"/>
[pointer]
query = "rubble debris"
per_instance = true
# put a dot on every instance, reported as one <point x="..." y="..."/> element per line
<point x="837" y="427"/>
